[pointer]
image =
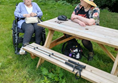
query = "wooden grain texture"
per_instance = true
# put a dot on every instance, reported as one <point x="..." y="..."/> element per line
<point x="60" y="40"/>
<point x="115" y="66"/>
<point x="108" y="53"/>
<point x="98" y="34"/>
<point x="90" y="73"/>
<point x="101" y="35"/>
<point x="47" y="44"/>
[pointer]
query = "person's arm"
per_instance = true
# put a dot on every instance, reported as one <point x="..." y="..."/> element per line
<point x="93" y="20"/>
<point x="17" y="11"/>
<point x="74" y="16"/>
<point x="39" y="12"/>
<point x="74" y="19"/>
<point x="80" y="19"/>
<point x="95" y="15"/>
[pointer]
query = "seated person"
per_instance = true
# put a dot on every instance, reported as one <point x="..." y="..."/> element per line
<point x="27" y="8"/>
<point x="86" y="13"/>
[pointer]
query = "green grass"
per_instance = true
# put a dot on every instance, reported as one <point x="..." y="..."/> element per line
<point x="22" y="69"/>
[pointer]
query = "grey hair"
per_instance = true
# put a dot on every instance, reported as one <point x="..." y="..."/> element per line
<point x="23" y="0"/>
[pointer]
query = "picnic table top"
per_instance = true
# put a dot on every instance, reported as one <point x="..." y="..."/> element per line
<point x="95" y="33"/>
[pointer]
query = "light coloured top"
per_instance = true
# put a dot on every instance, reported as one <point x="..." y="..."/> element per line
<point x="29" y="10"/>
<point x="21" y="9"/>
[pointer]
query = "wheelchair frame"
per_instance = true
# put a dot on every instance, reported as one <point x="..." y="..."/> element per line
<point x="17" y="39"/>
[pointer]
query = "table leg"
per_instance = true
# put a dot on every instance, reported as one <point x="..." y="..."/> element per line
<point x="60" y="40"/>
<point x="108" y="53"/>
<point x="32" y="56"/>
<point x="115" y="66"/>
<point x="47" y="44"/>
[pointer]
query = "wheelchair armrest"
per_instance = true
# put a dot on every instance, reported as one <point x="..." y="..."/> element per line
<point x="40" y="19"/>
<point x="17" y="18"/>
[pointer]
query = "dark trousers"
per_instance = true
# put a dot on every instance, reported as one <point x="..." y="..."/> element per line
<point x="29" y="29"/>
<point x="88" y="45"/>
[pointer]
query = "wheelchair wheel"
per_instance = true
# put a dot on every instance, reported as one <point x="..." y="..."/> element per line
<point x="13" y="39"/>
<point x="43" y="37"/>
<point x="14" y="34"/>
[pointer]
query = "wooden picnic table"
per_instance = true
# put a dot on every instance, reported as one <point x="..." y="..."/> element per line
<point x="101" y="35"/>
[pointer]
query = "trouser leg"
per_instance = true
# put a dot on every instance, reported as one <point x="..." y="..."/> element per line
<point x="38" y="32"/>
<point x="28" y="30"/>
<point x="88" y="45"/>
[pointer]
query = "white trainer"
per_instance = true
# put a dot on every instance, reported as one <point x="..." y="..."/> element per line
<point x="21" y="51"/>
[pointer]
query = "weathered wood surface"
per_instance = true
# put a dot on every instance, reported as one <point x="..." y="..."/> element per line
<point x="101" y="35"/>
<point x="90" y="73"/>
<point x="98" y="34"/>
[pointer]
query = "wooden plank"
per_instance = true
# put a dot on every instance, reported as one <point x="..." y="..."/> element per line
<point x="92" y="77"/>
<point x="90" y="73"/>
<point x="116" y="72"/>
<point x="60" y="40"/>
<point x="49" y="38"/>
<point x="32" y="56"/>
<point x="108" y="53"/>
<point x="41" y="60"/>
<point x="47" y="44"/>
<point x="114" y="69"/>
<point x="94" y="28"/>
<point x="81" y="32"/>
<point x="89" y="68"/>
<point x="99" y="34"/>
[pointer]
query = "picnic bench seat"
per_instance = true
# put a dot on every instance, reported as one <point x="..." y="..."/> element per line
<point x="90" y="73"/>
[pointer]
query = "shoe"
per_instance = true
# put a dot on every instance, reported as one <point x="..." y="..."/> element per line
<point x="90" y="56"/>
<point x="22" y="52"/>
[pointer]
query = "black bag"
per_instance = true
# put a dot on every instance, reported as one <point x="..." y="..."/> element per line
<point x="62" y="17"/>
<point x="72" y="49"/>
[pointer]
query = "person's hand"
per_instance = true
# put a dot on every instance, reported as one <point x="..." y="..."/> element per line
<point x="74" y="17"/>
<point x="26" y="15"/>
<point x="82" y="23"/>
<point x="33" y="14"/>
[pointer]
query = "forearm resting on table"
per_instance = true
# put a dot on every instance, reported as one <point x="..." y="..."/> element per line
<point x="77" y="21"/>
<point x="87" y="21"/>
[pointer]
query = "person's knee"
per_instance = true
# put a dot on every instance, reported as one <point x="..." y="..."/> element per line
<point x="30" y="29"/>
<point x="38" y="28"/>
<point x="85" y="42"/>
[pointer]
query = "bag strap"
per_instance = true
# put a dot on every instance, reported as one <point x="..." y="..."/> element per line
<point x="84" y="55"/>
<point x="62" y="50"/>
<point x="63" y="46"/>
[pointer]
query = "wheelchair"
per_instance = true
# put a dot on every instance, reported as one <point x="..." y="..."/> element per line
<point x="17" y="36"/>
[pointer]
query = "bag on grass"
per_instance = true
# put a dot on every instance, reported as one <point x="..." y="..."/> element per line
<point x="72" y="49"/>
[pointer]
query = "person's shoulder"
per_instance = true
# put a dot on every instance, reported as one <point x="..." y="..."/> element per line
<point x="34" y="3"/>
<point x="78" y="6"/>
<point x="95" y="8"/>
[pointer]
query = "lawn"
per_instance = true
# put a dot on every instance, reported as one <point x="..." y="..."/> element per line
<point x="22" y="69"/>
